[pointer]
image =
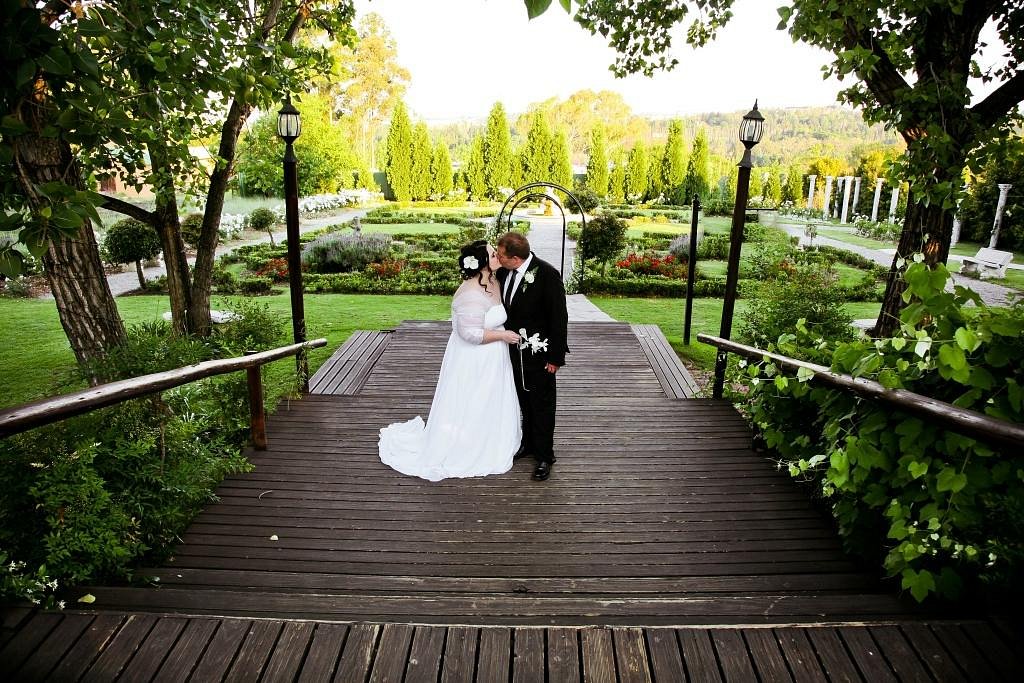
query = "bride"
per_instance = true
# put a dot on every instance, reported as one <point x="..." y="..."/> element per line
<point x="474" y="426"/>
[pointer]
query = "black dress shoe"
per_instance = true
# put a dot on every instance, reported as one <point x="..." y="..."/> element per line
<point x="521" y="453"/>
<point x="542" y="471"/>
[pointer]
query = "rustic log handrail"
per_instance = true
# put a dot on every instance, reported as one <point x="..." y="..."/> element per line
<point x="47" y="411"/>
<point x="969" y="422"/>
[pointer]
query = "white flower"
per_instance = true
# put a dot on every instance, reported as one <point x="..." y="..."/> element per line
<point x="530" y="276"/>
<point x="532" y="341"/>
<point x="470" y="263"/>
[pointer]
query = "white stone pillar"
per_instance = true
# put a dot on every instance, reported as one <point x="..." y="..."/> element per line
<point x="893" y="202"/>
<point x="845" y="211"/>
<point x="878" y="195"/>
<point x="828" y="196"/>
<point x="856" y="194"/>
<point x="810" y="193"/>
<point x="957" y="222"/>
<point x="1004" y="189"/>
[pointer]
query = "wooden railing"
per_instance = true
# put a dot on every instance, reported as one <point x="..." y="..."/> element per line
<point x="968" y="422"/>
<point x="50" y="410"/>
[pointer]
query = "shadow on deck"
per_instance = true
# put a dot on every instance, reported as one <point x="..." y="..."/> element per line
<point x="658" y="514"/>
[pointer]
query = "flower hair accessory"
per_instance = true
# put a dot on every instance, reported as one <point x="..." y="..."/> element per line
<point x="470" y="263"/>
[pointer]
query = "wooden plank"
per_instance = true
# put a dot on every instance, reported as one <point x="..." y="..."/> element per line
<point x="631" y="655"/>
<point x="733" y="659"/>
<point x="899" y="654"/>
<point x="799" y="654"/>
<point x="255" y="651"/>
<point x="20" y="647"/>
<point x="392" y="653"/>
<point x="358" y="653"/>
<point x="832" y="653"/>
<point x="323" y="654"/>
<point x="154" y="649"/>
<point x="43" y="659"/>
<point x="459" y="655"/>
<point x="424" y="664"/>
<point x="187" y="651"/>
<point x="120" y="649"/>
<point x="87" y="648"/>
<point x="1005" y="661"/>
<point x="698" y="655"/>
<point x="766" y="655"/>
<point x="971" y="660"/>
<point x="931" y="652"/>
<point x="666" y="659"/>
<point x="598" y="653"/>
<point x="866" y="654"/>
<point x="221" y="652"/>
<point x="494" y="656"/>
<point x="563" y="654"/>
<point x="289" y="651"/>
<point x="528" y="662"/>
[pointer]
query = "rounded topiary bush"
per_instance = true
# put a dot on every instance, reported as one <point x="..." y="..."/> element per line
<point x="131" y="241"/>
<point x="192" y="229"/>
<point x="262" y="219"/>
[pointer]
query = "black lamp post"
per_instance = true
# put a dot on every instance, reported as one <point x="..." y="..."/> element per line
<point x="750" y="134"/>
<point x="289" y="126"/>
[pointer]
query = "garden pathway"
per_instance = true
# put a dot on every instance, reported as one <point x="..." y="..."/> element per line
<point x="128" y="281"/>
<point x="991" y="293"/>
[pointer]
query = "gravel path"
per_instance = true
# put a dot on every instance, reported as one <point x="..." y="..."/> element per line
<point x="991" y="293"/>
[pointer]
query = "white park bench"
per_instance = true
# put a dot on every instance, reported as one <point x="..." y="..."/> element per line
<point x="987" y="263"/>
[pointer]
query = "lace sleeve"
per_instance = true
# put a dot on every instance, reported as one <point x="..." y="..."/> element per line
<point x="468" y="310"/>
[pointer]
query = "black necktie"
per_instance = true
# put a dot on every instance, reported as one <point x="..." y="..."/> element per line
<point x="511" y="286"/>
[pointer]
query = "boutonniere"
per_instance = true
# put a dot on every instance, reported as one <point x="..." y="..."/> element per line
<point x="528" y="278"/>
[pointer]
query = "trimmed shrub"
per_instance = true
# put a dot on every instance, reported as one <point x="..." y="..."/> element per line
<point x="131" y="241"/>
<point x="602" y="239"/>
<point x="344" y="253"/>
<point x="255" y="286"/>
<point x="192" y="229"/>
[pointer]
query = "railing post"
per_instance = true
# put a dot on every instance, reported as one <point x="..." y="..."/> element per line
<point x="257" y="416"/>
<point x="691" y="275"/>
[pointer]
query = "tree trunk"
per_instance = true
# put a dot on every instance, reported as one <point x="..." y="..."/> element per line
<point x="72" y="265"/>
<point x="168" y="227"/>
<point x="206" y="250"/>
<point x="142" y="276"/>
<point x="926" y="230"/>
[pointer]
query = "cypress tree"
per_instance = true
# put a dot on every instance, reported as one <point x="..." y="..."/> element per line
<point x="636" y="173"/>
<point x="673" y="162"/>
<point x="498" y="157"/>
<point x="440" y="172"/>
<point x="476" y="182"/>
<point x="561" y="165"/>
<point x="696" y="182"/>
<point x="756" y="183"/>
<point x="421" y="156"/>
<point x="617" y="181"/>
<point x="793" y="190"/>
<point x="537" y="153"/>
<point x="597" y="164"/>
<point x="772" y="189"/>
<point x="398" y="166"/>
<point x="655" y="187"/>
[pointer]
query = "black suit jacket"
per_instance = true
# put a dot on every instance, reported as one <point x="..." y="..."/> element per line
<point x="539" y="307"/>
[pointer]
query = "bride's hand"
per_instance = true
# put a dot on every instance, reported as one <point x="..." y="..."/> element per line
<point x="510" y="336"/>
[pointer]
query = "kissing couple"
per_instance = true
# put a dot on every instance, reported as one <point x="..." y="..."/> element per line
<point x="495" y="397"/>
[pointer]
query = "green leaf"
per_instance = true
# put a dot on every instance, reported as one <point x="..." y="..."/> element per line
<point x="920" y="583"/>
<point x="953" y="356"/>
<point x="950" y="480"/>
<point x="781" y="382"/>
<point x="967" y="339"/>
<point x="56" y="61"/>
<point x="12" y="263"/>
<point x="898" y="343"/>
<point x="804" y="374"/>
<point x="566" y="5"/>
<point x="12" y="126"/>
<point x="917" y="469"/>
<point x="535" y="8"/>
<point x="921" y="348"/>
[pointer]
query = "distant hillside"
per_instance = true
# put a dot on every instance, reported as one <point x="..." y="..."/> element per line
<point x="790" y="135"/>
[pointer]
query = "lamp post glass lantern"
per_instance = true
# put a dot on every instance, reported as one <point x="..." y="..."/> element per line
<point x="751" y="129"/>
<point x="289" y="127"/>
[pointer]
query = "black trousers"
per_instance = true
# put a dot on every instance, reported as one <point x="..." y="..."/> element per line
<point x="537" y="402"/>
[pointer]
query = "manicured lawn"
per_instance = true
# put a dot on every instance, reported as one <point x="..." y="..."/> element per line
<point x="712" y="225"/>
<point x="850" y="238"/>
<point x="35" y="358"/>
<point x="971" y="248"/>
<point x="1014" y="278"/>
<point x="416" y="228"/>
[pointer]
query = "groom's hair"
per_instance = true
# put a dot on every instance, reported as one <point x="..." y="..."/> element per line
<point x="515" y="244"/>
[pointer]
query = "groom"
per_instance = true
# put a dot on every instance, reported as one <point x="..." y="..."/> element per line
<point x="534" y="299"/>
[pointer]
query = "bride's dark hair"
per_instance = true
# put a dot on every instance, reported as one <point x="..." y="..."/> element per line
<point x="467" y="268"/>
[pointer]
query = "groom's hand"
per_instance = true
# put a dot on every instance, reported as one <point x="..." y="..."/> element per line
<point x="551" y="367"/>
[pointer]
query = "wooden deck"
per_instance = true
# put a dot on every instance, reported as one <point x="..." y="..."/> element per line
<point x="140" y="647"/>
<point x="662" y="547"/>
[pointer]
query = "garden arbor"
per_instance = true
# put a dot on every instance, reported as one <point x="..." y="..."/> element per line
<point x="530" y="192"/>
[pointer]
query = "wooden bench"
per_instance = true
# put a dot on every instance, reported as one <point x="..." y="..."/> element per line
<point x="987" y="263"/>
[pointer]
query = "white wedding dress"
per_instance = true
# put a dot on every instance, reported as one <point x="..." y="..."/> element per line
<point x="474" y="426"/>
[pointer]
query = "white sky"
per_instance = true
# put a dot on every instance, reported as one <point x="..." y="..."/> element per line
<point x="465" y="55"/>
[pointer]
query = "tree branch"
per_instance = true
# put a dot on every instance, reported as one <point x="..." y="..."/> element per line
<point x="1007" y="96"/>
<point x="885" y="81"/>
<point x="128" y="209"/>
